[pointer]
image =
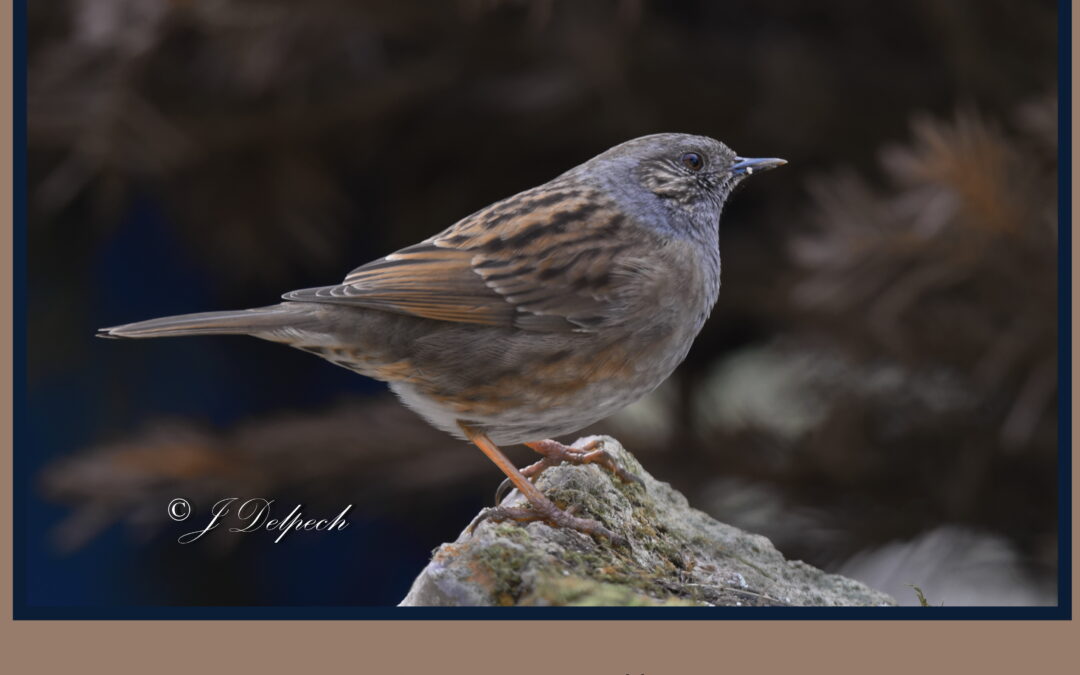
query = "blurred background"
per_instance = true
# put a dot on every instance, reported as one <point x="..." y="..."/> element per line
<point x="876" y="390"/>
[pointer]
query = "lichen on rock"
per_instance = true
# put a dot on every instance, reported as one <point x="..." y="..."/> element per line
<point x="676" y="555"/>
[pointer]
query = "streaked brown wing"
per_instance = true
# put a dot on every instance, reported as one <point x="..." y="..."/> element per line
<point x="423" y="280"/>
<point x="544" y="259"/>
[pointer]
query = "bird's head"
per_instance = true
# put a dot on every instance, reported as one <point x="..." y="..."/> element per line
<point x="688" y="176"/>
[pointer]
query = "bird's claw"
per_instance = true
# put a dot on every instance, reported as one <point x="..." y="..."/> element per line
<point x="556" y="453"/>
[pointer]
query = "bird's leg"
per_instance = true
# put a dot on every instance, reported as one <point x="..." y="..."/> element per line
<point x="542" y="507"/>
<point x="556" y="453"/>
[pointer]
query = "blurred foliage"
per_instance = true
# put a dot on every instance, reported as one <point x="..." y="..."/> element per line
<point x="906" y="298"/>
<point x="371" y="452"/>
<point x="922" y="353"/>
<point x="954" y="265"/>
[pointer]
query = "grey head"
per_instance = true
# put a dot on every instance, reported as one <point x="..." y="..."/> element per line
<point x="674" y="181"/>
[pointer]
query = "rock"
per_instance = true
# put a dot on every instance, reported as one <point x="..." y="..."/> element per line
<point x="677" y="555"/>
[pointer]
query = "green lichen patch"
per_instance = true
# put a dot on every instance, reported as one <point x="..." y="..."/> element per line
<point x="572" y="591"/>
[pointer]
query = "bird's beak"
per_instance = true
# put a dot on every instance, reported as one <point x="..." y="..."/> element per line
<point x="748" y="165"/>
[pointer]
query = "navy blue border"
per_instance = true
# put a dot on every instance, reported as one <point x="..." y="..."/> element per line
<point x="1062" y="611"/>
<point x="545" y="613"/>
<point x="1065" y="495"/>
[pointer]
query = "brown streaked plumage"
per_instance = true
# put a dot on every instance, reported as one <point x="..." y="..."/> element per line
<point x="532" y="317"/>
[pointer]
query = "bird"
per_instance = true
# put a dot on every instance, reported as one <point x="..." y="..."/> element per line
<point x="533" y="317"/>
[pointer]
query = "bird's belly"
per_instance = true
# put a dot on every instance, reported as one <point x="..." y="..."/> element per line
<point x="558" y="394"/>
<point x="538" y="420"/>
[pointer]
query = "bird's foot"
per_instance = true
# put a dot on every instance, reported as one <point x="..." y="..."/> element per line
<point x="546" y="511"/>
<point x="542" y="507"/>
<point x="556" y="453"/>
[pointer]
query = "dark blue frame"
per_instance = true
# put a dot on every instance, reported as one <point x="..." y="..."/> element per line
<point x="1063" y="610"/>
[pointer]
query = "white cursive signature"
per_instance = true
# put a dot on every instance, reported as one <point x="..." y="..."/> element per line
<point x="255" y="512"/>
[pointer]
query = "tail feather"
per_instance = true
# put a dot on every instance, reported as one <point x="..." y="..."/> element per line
<point x="237" y="322"/>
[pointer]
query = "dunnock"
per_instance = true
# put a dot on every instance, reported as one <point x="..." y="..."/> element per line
<point x="533" y="317"/>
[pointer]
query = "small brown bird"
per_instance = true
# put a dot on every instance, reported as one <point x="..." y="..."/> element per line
<point x="533" y="317"/>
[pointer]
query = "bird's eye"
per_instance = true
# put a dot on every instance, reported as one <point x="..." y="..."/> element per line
<point x="693" y="161"/>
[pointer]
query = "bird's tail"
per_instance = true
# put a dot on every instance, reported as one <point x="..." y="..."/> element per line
<point x="237" y="322"/>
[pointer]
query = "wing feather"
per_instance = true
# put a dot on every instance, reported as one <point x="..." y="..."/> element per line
<point x="545" y="259"/>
